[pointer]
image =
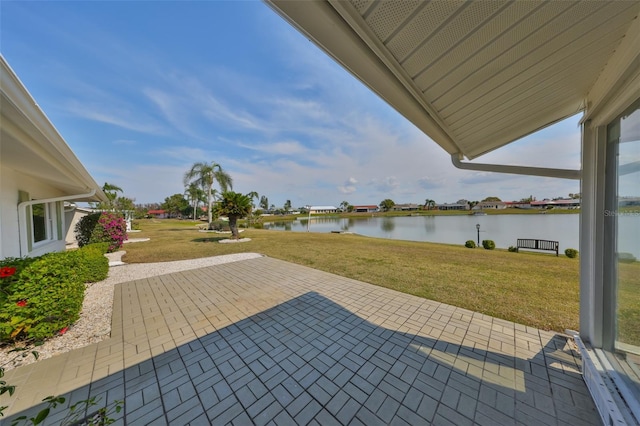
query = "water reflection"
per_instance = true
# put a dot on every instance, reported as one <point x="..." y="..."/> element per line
<point x="347" y="224"/>
<point x="504" y="230"/>
<point x="388" y="224"/>
<point x="429" y="224"/>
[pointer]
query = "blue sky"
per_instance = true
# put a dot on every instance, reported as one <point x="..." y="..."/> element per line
<point x="142" y="90"/>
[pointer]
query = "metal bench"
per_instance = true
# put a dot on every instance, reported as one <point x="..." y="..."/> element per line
<point x="532" y="244"/>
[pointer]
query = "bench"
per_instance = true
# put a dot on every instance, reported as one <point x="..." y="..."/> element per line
<point x="532" y="244"/>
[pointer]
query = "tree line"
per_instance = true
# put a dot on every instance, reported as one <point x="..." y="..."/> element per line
<point x="209" y="185"/>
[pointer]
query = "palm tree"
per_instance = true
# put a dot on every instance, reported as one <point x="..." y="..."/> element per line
<point x="429" y="204"/>
<point x="111" y="191"/>
<point x="264" y="202"/>
<point x="204" y="175"/>
<point x="195" y="194"/>
<point x="235" y="206"/>
<point x="252" y="195"/>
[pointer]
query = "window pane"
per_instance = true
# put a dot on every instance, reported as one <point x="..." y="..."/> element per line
<point x="628" y="246"/>
<point x="39" y="222"/>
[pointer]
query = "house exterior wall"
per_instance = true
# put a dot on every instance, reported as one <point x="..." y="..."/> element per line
<point x="11" y="183"/>
<point x="38" y="172"/>
<point x="365" y="209"/>
<point x="453" y="206"/>
<point x="405" y="207"/>
<point x="323" y="209"/>
<point x="71" y="218"/>
<point x="496" y="205"/>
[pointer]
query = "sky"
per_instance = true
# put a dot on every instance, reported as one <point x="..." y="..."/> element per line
<point x="141" y="90"/>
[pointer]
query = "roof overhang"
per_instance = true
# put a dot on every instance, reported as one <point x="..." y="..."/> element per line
<point x="476" y="75"/>
<point x="30" y="144"/>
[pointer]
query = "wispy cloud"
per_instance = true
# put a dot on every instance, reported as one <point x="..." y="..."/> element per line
<point x="183" y="154"/>
<point x="120" y="118"/>
<point x="291" y="148"/>
<point x="427" y="182"/>
<point x="348" y="187"/>
<point x="476" y="178"/>
<point x="385" y="185"/>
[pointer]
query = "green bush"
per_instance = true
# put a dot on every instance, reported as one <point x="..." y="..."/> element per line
<point x="91" y="263"/>
<point x="470" y="244"/>
<point x="219" y="225"/>
<point x="84" y="228"/>
<point x="9" y="268"/>
<point x="105" y="227"/>
<point x="626" y="257"/>
<point x="43" y="298"/>
<point x="488" y="244"/>
<point x="513" y="249"/>
<point x="571" y="253"/>
<point x="101" y="247"/>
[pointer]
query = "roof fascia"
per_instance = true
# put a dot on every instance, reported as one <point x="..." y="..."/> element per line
<point x="23" y="102"/>
<point x="364" y="57"/>
<point x="517" y="170"/>
<point x="619" y="82"/>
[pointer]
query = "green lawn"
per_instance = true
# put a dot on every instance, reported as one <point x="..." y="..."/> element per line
<point x="629" y="303"/>
<point x="540" y="290"/>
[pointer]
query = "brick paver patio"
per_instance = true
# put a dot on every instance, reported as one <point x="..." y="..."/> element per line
<point x="264" y="341"/>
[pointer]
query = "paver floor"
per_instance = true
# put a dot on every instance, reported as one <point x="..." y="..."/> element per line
<point x="263" y="341"/>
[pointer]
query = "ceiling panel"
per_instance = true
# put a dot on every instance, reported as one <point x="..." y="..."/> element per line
<point x="386" y="17"/>
<point x="422" y="27"/>
<point x="483" y="73"/>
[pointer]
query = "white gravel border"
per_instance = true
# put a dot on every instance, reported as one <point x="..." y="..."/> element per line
<point x="94" y="324"/>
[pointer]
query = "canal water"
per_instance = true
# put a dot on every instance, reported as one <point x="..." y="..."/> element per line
<point x="504" y="229"/>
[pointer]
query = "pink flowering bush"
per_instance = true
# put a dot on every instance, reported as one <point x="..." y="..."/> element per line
<point x="105" y="227"/>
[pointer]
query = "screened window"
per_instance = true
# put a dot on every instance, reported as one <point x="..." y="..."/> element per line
<point x="622" y="221"/>
<point x="39" y="221"/>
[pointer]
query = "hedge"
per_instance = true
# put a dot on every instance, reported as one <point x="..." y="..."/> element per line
<point x="40" y="297"/>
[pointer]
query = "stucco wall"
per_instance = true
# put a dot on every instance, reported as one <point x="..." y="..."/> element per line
<point x="12" y="181"/>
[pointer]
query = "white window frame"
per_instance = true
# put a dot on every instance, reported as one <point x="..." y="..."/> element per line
<point x="51" y="231"/>
<point x="56" y="241"/>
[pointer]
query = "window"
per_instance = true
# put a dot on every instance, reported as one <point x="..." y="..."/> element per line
<point x="622" y="230"/>
<point x="43" y="220"/>
<point x="39" y="221"/>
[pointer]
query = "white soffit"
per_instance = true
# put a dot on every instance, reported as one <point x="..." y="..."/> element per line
<point x="473" y="75"/>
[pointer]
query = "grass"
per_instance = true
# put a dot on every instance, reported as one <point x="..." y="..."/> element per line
<point x="539" y="290"/>
<point x="629" y="303"/>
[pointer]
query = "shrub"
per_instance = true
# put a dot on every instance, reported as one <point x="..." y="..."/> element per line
<point x="91" y="263"/>
<point x="9" y="271"/>
<point x="101" y="247"/>
<point x="100" y="228"/>
<point x="219" y="225"/>
<point x="44" y="297"/>
<point x="513" y="249"/>
<point x="470" y="244"/>
<point x="571" y="253"/>
<point x="626" y="257"/>
<point x="488" y="244"/>
<point x="84" y="228"/>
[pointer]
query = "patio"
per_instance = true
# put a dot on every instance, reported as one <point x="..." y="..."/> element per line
<point x="265" y="341"/>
